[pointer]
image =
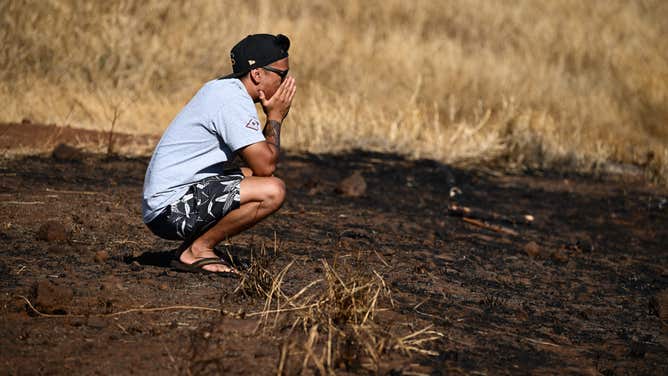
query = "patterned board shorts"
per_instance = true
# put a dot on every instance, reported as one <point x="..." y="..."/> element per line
<point x="202" y="206"/>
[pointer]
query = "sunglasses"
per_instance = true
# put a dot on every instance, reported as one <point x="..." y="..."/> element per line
<point x="281" y="73"/>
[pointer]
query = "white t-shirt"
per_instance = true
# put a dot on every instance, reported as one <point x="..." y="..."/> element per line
<point x="218" y="121"/>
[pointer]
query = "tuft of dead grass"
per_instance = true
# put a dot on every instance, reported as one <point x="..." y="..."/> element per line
<point x="257" y="280"/>
<point x="330" y="323"/>
<point x="559" y="84"/>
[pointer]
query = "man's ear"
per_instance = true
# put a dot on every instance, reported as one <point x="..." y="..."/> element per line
<point x="256" y="75"/>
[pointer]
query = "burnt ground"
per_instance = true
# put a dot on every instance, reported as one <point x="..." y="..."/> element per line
<point x="581" y="289"/>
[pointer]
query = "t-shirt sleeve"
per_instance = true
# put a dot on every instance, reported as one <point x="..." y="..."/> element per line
<point x="238" y="124"/>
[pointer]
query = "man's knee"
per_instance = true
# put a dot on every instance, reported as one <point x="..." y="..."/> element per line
<point x="275" y="192"/>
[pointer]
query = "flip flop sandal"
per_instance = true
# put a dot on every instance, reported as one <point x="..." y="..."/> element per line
<point x="196" y="267"/>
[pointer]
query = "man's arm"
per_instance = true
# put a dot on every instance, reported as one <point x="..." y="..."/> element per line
<point x="272" y="132"/>
<point x="262" y="157"/>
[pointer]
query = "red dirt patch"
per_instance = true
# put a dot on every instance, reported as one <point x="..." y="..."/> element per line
<point x="26" y="138"/>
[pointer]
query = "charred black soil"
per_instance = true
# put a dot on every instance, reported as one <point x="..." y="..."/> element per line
<point x="541" y="273"/>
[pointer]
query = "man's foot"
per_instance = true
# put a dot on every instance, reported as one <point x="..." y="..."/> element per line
<point x="192" y="255"/>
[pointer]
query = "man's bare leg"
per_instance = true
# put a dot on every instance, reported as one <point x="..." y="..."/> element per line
<point x="260" y="197"/>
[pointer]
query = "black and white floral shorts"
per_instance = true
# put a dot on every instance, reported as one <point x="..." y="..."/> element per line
<point x="201" y="207"/>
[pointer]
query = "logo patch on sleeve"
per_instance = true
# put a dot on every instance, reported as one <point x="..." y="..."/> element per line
<point x="253" y="124"/>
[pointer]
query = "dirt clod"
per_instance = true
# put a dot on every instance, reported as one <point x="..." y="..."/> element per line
<point x="101" y="256"/>
<point x="352" y="186"/>
<point x="560" y="256"/>
<point x="659" y="305"/>
<point x="147" y="282"/>
<point x="532" y="249"/>
<point x="53" y="231"/>
<point x="51" y="297"/>
<point x="67" y="153"/>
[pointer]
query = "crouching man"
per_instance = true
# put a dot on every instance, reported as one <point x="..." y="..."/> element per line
<point x="190" y="192"/>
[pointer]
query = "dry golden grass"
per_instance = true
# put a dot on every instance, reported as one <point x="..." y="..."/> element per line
<point x="566" y="84"/>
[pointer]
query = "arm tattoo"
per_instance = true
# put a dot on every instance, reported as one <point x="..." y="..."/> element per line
<point x="272" y="131"/>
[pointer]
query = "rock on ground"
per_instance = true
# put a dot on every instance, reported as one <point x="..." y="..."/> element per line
<point x="52" y="231"/>
<point x="101" y="256"/>
<point x="659" y="304"/>
<point x="532" y="249"/>
<point x="352" y="186"/>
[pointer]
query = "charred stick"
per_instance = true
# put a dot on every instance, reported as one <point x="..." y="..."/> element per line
<point x="489" y="226"/>
<point x="464" y="211"/>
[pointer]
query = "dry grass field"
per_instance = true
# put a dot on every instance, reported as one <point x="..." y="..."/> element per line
<point x="538" y="84"/>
